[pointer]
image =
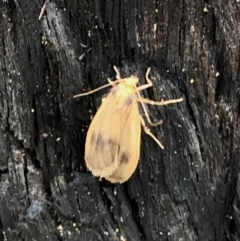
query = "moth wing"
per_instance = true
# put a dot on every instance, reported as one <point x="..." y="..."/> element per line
<point x="129" y="144"/>
<point x="113" y="139"/>
<point x="102" y="138"/>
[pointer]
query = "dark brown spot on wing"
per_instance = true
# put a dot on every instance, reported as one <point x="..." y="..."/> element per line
<point x="98" y="140"/>
<point x="114" y="90"/>
<point x="112" y="146"/>
<point x="93" y="138"/>
<point x="101" y="142"/>
<point x="123" y="158"/>
<point x="116" y="151"/>
<point x="130" y="100"/>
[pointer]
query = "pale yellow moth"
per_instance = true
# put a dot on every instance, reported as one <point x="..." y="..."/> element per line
<point x="113" y="139"/>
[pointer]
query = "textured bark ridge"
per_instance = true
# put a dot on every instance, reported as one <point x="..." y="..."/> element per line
<point x="189" y="190"/>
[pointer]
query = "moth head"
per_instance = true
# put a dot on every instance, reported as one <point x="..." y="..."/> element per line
<point x="132" y="81"/>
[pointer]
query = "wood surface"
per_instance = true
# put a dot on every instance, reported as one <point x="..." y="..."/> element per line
<point x="188" y="191"/>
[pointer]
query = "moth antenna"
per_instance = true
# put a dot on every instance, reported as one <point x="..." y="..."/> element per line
<point x="111" y="83"/>
<point x="118" y="76"/>
<point x="146" y="101"/>
<point x="146" y="76"/>
<point x="149" y="82"/>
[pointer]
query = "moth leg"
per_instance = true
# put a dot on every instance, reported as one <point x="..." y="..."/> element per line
<point x="163" y="102"/>
<point x="148" y="132"/>
<point x="151" y="102"/>
<point x="118" y="76"/>
<point x="146" y="112"/>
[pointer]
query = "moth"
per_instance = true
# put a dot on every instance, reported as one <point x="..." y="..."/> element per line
<point x="113" y="139"/>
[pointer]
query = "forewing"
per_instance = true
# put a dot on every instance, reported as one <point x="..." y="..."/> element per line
<point x="113" y="139"/>
<point x="102" y="138"/>
<point x="129" y="143"/>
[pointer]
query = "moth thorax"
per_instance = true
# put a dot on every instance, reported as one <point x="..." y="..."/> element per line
<point x="125" y="95"/>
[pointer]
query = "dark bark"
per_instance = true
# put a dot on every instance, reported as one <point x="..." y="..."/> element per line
<point x="188" y="191"/>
